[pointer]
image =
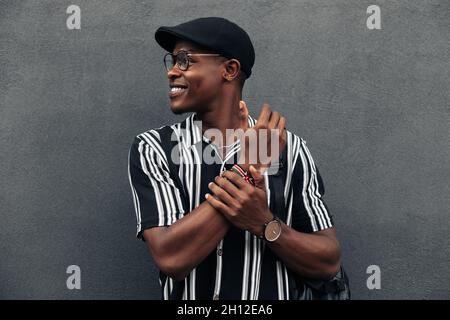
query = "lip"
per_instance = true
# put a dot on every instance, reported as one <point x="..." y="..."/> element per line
<point x="173" y="95"/>
<point x="174" y="84"/>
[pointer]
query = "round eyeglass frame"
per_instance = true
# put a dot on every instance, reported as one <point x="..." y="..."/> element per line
<point x="174" y="58"/>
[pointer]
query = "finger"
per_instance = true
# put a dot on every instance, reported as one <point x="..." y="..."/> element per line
<point x="282" y="131"/>
<point x="243" y="105"/>
<point x="228" y="186"/>
<point x="236" y="179"/>
<point x="274" y="119"/>
<point x="244" y="152"/>
<point x="258" y="177"/>
<point x="218" y="205"/>
<point x="250" y="150"/>
<point x="264" y="116"/>
<point x="243" y="112"/>
<point x="282" y="124"/>
<point x="221" y="194"/>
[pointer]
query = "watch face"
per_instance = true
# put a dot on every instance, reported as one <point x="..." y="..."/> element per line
<point x="272" y="231"/>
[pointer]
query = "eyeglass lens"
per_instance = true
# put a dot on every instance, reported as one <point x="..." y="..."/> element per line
<point x="181" y="59"/>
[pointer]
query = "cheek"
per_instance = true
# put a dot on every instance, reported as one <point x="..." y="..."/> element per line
<point x="206" y="80"/>
<point x="197" y="89"/>
<point x="207" y="84"/>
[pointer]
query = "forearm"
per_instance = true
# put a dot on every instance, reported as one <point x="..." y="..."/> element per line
<point x="310" y="255"/>
<point x="179" y="248"/>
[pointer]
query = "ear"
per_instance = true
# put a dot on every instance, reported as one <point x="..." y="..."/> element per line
<point x="232" y="68"/>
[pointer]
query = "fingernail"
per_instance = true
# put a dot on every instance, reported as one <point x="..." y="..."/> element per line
<point x="209" y="185"/>
<point x="206" y="196"/>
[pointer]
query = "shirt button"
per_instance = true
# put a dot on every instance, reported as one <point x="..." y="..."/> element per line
<point x="216" y="297"/>
<point x="219" y="252"/>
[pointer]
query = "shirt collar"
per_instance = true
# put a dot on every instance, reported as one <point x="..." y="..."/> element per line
<point x="192" y="133"/>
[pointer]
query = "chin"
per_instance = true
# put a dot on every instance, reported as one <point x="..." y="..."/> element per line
<point x="177" y="111"/>
<point x="178" y="108"/>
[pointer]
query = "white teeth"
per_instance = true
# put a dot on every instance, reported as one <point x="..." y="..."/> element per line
<point x="176" y="89"/>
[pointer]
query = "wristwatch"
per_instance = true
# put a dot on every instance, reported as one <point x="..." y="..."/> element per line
<point x="272" y="229"/>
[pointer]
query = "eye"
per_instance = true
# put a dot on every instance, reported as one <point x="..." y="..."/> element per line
<point x="188" y="57"/>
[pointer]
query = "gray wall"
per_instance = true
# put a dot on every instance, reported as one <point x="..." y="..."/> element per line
<point x="373" y="106"/>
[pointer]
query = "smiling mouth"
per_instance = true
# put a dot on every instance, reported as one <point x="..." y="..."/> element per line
<point x="176" y="91"/>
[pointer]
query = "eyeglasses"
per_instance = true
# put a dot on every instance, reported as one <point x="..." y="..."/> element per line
<point x="181" y="59"/>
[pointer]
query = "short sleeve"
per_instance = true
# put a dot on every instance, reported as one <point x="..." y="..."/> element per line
<point x="157" y="199"/>
<point x="310" y="213"/>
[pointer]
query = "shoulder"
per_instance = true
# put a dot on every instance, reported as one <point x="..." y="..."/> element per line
<point x="152" y="136"/>
<point x="157" y="141"/>
<point x="297" y="153"/>
<point x="294" y="142"/>
<point x="159" y="136"/>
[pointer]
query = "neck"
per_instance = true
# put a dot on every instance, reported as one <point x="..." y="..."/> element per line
<point x="223" y="114"/>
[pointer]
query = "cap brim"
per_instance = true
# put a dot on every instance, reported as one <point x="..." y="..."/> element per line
<point x="167" y="37"/>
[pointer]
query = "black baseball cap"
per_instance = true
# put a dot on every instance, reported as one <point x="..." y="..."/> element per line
<point x="217" y="34"/>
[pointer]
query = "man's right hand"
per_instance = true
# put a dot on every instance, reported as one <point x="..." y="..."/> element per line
<point x="270" y="124"/>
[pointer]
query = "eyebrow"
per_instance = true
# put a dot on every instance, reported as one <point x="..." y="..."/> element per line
<point x="184" y="49"/>
<point x="191" y="50"/>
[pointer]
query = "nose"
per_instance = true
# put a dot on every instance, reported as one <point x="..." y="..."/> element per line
<point x="175" y="72"/>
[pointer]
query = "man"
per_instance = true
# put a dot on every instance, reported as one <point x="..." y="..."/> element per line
<point x="218" y="231"/>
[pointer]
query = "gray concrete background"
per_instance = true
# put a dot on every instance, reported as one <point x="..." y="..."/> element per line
<point x="372" y="105"/>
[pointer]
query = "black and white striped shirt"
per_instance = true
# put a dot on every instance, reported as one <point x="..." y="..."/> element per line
<point x="169" y="179"/>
